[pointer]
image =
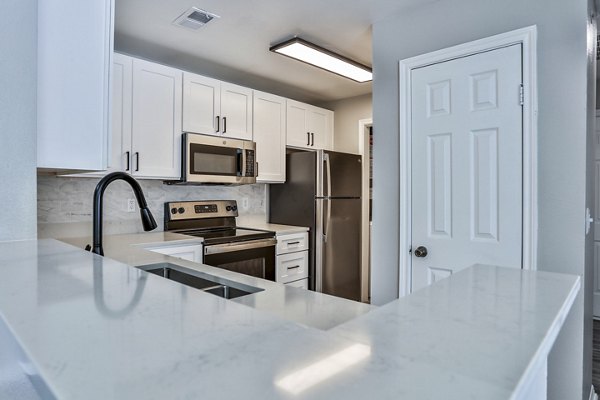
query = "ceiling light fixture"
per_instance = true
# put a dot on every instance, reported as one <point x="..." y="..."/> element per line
<point x="310" y="53"/>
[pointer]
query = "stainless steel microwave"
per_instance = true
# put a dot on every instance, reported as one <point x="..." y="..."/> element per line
<point x="214" y="159"/>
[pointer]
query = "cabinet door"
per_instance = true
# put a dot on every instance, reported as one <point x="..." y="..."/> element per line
<point x="320" y="124"/>
<point x="201" y="104"/>
<point x="302" y="283"/>
<point x="185" y="252"/>
<point x="236" y="111"/>
<point x="74" y="56"/>
<point x="269" y="135"/>
<point x="297" y="129"/>
<point x="156" y="129"/>
<point x="120" y="159"/>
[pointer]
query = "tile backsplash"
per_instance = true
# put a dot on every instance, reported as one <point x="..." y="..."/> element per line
<point x="64" y="205"/>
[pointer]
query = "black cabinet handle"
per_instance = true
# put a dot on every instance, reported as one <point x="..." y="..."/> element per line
<point x="218" y="123"/>
<point x="127" y="167"/>
<point x="308" y="138"/>
<point x="294" y="267"/>
<point x="291" y="243"/>
<point x="224" y="124"/>
<point x="312" y="135"/>
<point x="137" y="161"/>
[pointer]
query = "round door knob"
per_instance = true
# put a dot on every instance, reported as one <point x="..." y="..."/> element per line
<point x="421" y="251"/>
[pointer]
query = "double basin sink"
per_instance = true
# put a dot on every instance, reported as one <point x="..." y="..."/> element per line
<point x="199" y="280"/>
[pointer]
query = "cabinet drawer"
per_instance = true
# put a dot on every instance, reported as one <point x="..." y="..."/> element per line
<point x="292" y="266"/>
<point x="302" y="283"/>
<point x="292" y="242"/>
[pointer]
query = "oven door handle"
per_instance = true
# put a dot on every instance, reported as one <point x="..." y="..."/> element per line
<point x="238" y="246"/>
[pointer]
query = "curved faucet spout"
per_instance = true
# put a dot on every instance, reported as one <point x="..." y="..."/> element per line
<point x="147" y="219"/>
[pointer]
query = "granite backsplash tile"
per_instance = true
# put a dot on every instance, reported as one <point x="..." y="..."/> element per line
<point x="65" y="203"/>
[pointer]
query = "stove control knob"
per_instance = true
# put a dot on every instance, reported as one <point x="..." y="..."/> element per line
<point x="173" y="210"/>
<point x="181" y="210"/>
<point x="228" y="208"/>
<point x="234" y="208"/>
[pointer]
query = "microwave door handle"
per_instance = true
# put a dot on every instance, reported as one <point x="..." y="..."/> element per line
<point x="239" y="163"/>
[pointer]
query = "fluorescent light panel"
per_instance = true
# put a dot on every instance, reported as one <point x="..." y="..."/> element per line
<point x="319" y="57"/>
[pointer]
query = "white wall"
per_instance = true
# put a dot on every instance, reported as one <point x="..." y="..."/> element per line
<point x="18" y="80"/>
<point x="562" y="85"/>
<point x="347" y="114"/>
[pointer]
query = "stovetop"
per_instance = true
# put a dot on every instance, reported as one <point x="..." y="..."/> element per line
<point x="213" y="220"/>
<point x="227" y="234"/>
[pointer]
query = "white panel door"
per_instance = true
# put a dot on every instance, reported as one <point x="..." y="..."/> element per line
<point x="157" y="118"/>
<point x="236" y="111"/>
<point x="201" y="104"/>
<point x="269" y="135"/>
<point x="466" y="158"/>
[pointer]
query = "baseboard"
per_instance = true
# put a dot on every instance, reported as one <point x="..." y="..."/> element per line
<point x="593" y="395"/>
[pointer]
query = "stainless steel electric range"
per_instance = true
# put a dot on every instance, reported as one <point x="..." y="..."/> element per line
<point x="247" y="251"/>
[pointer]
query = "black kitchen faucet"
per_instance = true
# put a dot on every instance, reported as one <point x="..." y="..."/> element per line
<point x="147" y="219"/>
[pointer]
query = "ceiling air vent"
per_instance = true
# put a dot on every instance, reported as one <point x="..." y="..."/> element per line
<point x="194" y="18"/>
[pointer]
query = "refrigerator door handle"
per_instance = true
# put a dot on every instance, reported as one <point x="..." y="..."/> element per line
<point x="327" y="214"/>
<point x="328" y="172"/>
<point x="327" y="221"/>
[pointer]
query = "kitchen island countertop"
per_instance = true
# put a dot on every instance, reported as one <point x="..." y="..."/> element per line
<point x="95" y="328"/>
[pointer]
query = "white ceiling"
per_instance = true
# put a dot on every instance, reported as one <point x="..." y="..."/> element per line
<point x="235" y="48"/>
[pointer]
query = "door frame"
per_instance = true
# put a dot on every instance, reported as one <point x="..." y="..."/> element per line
<point x="364" y="151"/>
<point x="527" y="38"/>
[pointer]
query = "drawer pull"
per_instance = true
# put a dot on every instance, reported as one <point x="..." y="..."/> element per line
<point x="294" y="267"/>
<point x="291" y="243"/>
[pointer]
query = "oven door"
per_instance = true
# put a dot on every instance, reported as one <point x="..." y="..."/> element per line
<point x="254" y="258"/>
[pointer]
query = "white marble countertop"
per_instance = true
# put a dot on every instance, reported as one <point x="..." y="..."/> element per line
<point x="258" y="222"/>
<point x="309" y="308"/>
<point x="94" y="328"/>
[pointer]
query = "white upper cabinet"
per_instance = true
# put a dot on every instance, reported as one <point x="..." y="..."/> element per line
<point x="308" y="126"/>
<point x="74" y="63"/>
<point x="269" y="135"/>
<point x="156" y="120"/>
<point x="120" y="155"/>
<point x="201" y="104"/>
<point x="320" y="126"/>
<point x="297" y="129"/>
<point x="212" y="107"/>
<point x="236" y="111"/>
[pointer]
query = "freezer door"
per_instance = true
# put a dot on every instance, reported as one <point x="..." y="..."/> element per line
<point x="342" y="174"/>
<point x="340" y="269"/>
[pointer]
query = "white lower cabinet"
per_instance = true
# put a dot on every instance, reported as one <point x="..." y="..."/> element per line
<point x="189" y="252"/>
<point x="292" y="259"/>
<point x="302" y="283"/>
<point x="292" y="266"/>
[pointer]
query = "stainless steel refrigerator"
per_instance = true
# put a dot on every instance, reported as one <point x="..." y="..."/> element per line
<point x="323" y="192"/>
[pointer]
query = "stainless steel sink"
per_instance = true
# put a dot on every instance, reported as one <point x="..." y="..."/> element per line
<point x="198" y="280"/>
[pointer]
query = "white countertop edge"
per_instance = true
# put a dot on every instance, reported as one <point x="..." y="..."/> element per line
<point x="41" y="383"/>
<point x="541" y="355"/>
